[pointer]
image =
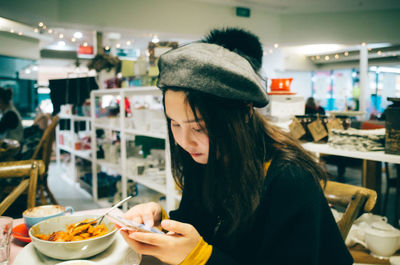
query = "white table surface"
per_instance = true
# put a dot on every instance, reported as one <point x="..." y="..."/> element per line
<point x="372" y="155"/>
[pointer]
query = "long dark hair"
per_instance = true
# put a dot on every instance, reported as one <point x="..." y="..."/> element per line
<point x="240" y="142"/>
<point x="5" y="95"/>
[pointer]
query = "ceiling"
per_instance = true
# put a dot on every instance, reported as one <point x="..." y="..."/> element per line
<point x="310" y="6"/>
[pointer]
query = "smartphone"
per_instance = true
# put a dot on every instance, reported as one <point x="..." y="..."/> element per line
<point x="133" y="226"/>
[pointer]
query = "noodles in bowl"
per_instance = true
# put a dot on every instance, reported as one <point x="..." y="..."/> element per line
<point x="53" y="238"/>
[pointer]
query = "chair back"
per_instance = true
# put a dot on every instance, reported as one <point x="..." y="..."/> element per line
<point x="356" y="201"/>
<point x="44" y="148"/>
<point x="28" y="171"/>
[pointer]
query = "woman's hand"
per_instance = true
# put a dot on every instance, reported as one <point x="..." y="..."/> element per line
<point x="171" y="248"/>
<point x="149" y="214"/>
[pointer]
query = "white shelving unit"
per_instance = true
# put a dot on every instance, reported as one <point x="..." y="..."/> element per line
<point x="85" y="154"/>
<point x="120" y="125"/>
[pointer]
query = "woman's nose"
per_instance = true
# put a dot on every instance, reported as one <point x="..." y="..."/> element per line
<point x="188" y="139"/>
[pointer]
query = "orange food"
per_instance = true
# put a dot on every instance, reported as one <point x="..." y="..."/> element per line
<point x="73" y="233"/>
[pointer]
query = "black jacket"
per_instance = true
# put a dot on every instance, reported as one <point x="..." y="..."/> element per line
<point x="292" y="225"/>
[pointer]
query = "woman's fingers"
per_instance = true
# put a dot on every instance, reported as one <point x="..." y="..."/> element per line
<point x="139" y="247"/>
<point x="177" y="227"/>
<point x="148" y="218"/>
<point x="149" y="238"/>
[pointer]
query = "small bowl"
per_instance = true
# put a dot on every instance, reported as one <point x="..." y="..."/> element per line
<point x="74" y="249"/>
<point x="37" y="214"/>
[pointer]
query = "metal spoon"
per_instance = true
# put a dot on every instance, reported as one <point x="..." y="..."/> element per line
<point x="101" y="217"/>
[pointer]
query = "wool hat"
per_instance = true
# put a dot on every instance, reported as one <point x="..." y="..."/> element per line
<point x="211" y="69"/>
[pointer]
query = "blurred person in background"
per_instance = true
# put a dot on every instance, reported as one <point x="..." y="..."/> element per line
<point x="33" y="135"/>
<point x="313" y="108"/>
<point x="11" y="122"/>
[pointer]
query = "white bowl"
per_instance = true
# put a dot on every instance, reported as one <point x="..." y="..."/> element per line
<point x="74" y="249"/>
<point x="395" y="260"/>
<point x="77" y="262"/>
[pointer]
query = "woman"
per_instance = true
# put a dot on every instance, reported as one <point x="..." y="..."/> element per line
<point x="312" y="108"/>
<point x="251" y="194"/>
<point x="10" y="123"/>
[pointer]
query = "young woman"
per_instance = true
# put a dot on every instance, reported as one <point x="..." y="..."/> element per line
<point x="251" y="193"/>
<point x="10" y="122"/>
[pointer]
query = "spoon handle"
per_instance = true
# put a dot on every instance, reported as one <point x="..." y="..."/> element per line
<point x="115" y="206"/>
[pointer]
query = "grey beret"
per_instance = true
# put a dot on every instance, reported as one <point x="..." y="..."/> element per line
<point x="211" y="69"/>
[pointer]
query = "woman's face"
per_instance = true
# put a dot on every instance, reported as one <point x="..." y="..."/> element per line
<point x="186" y="131"/>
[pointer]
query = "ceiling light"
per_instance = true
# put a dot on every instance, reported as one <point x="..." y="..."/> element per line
<point x="317" y="57"/>
<point x="315" y="49"/>
<point x="73" y="39"/>
<point x="27" y="71"/>
<point x="78" y="35"/>
<point x="346" y="53"/>
<point x="118" y="45"/>
<point x="85" y="44"/>
<point x="326" y="58"/>
<point x="128" y="42"/>
<point x="276" y="45"/>
<point x="50" y="31"/>
<point x="363" y="44"/>
<point x="44" y="27"/>
<point x="40" y="24"/>
<point x="155" y="39"/>
<point x="61" y="36"/>
<point x="107" y="48"/>
<point x="379" y="52"/>
<point x="12" y="30"/>
<point x="336" y="56"/>
<point x="36" y="30"/>
<point x="61" y="43"/>
<point x="35" y="68"/>
<point x="20" y="33"/>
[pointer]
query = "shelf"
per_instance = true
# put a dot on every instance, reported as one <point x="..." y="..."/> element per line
<point x="161" y="188"/>
<point x="104" y="203"/>
<point x="115" y="167"/>
<point x="85" y="154"/>
<point x="75" y="117"/>
<point x="146" y="133"/>
<point x="106" y="127"/>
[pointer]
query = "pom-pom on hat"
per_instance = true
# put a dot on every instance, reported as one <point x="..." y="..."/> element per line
<point x="211" y="69"/>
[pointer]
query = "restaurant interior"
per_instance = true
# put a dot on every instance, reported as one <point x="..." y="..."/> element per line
<point x="331" y="72"/>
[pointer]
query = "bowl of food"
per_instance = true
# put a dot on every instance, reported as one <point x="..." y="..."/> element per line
<point x="62" y="238"/>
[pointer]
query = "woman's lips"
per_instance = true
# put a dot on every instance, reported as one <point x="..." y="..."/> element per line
<point x="195" y="154"/>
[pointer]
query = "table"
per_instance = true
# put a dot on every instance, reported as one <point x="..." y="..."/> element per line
<point x="372" y="163"/>
<point x="17" y="246"/>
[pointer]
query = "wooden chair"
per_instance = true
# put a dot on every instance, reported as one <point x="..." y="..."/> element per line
<point x="354" y="199"/>
<point x="43" y="151"/>
<point x="28" y="171"/>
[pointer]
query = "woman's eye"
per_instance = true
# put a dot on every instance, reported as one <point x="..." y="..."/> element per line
<point x="198" y="130"/>
<point x="175" y="125"/>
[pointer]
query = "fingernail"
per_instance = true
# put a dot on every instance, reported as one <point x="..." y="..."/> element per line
<point x="132" y="235"/>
